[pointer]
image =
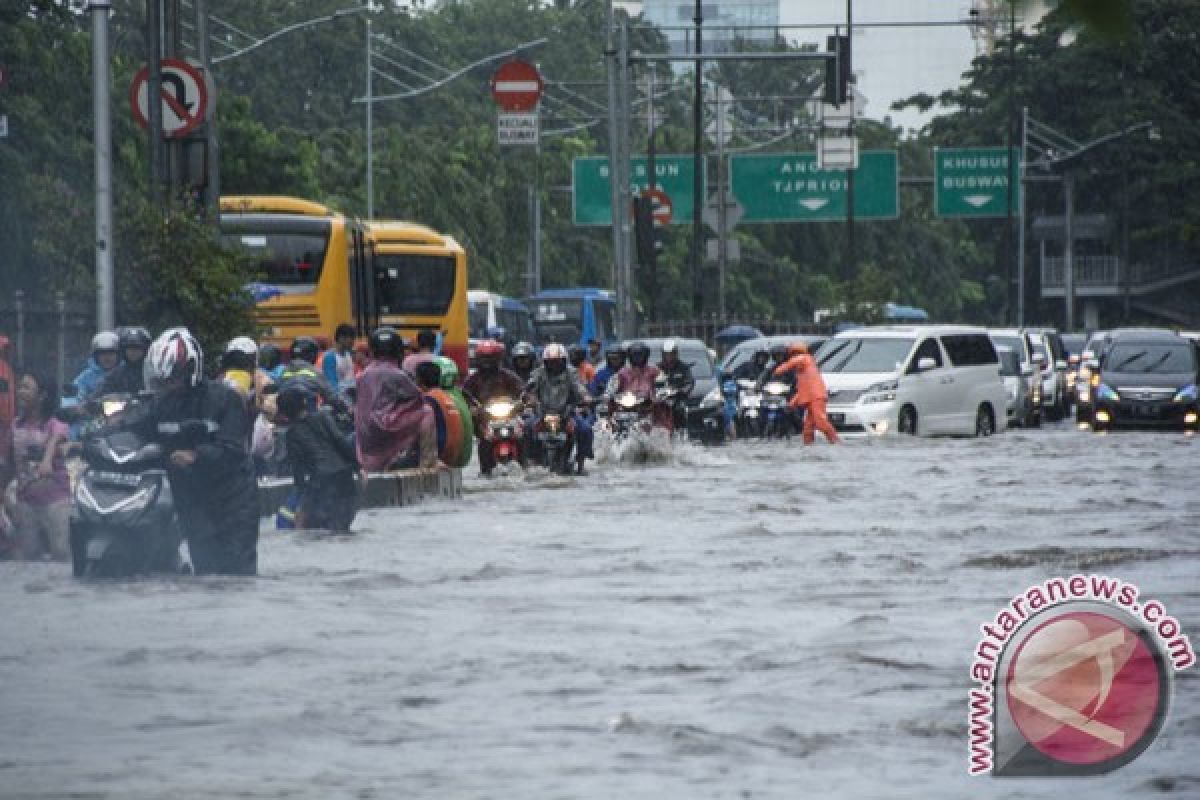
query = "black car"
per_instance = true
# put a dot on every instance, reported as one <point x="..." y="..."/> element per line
<point x="706" y="405"/>
<point x="1146" y="379"/>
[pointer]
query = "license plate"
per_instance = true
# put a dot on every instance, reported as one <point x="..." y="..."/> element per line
<point x="115" y="479"/>
<point x="837" y="419"/>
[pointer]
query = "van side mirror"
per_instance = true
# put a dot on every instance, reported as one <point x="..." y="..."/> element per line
<point x="925" y="364"/>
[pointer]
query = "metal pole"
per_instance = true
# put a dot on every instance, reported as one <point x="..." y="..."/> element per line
<point x="19" y="302"/>
<point x="60" y="302"/>
<point x="722" y="251"/>
<point x="698" y="198"/>
<point x="529" y="241"/>
<point x="1069" y="252"/>
<point x="626" y="137"/>
<point x="652" y="179"/>
<point x="1021" y="220"/>
<point x="370" y="105"/>
<point x="851" y="256"/>
<point x="537" y="217"/>
<point x="103" y="163"/>
<point x="1012" y="113"/>
<point x="614" y="171"/>
<point x="212" y="193"/>
<point x="154" y="99"/>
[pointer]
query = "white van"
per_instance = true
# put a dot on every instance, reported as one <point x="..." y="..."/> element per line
<point x="928" y="380"/>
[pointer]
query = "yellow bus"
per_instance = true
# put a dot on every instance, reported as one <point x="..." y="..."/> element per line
<point x="420" y="282"/>
<point x="313" y="264"/>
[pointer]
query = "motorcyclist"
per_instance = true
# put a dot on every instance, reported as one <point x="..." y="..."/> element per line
<point x="106" y="348"/>
<point x="391" y="420"/>
<point x="614" y="360"/>
<point x="489" y="381"/>
<point x="810" y="392"/>
<point x="753" y="368"/>
<point x="679" y="382"/>
<point x="579" y="362"/>
<point x="780" y="355"/>
<point x="554" y="388"/>
<point x="128" y="377"/>
<point x="523" y="361"/>
<point x="270" y="360"/>
<point x="449" y="376"/>
<point x="640" y="377"/>
<point x="202" y="427"/>
<point x="302" y="371"/>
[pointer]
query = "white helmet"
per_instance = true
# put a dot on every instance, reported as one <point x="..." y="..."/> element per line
<point x="670" y="346"/>
<point x="174" y="354"/>
<point x="554" y="350"/>
<point x="105" y="341"/>
<point x="242" y="344"/>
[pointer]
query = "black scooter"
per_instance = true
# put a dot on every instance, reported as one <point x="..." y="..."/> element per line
<point x="123" y="518"/>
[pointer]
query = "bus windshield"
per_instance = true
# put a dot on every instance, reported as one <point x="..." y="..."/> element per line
<point x="411" y="283"/>
<point x="558" y="320"/>
<point x="287" y="251"/>
<point x="477" y="318"/>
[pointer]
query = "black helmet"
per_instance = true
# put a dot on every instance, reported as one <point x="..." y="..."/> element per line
<point x="615" y="358"/>
<point x="269" y="356"/>
<point x="134" y="336"/>
<point x="761" y="356"/>
<point x="576" y="355"/>
<point x="305" y="348"/>
<point x="386" y="342"/>
<point x="779" y="353"/>
<point x="523" y="350"/>
<point x="291" y="400"/>
<point x="639" y="354"/>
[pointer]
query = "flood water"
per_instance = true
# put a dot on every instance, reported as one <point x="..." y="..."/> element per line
<point x="758" y="620"/>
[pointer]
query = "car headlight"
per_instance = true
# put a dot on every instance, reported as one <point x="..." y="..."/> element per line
<point x="713" y="399"/>
<point x="1106" y="392"/>
<point x="884" y="392"/>
<point x="1187" y="394"/>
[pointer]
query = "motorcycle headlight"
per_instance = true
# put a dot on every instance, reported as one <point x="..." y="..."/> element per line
<point x="1106" y="392"/>
<point x="112" y="407"/>
<point x="500" y="408"/>
<point x="713" y="399"/>
<point x="776" y="387"/>
<point x="884" y="392"/>
<point x="1187" y="394"/>
<point x="627" y="400"/>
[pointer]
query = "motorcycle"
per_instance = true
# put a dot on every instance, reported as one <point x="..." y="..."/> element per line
<point x="556" y="441"/>
<point x="774" y="415"/>
<point x="503" y="429"/>
<point x="123" y="516"/>
<point x="630" y="412"/>
<point x="749" y="408"/>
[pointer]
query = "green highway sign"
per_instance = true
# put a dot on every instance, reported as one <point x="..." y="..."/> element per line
<point x="789" y="187"/>
<point x="974" y="181"/>
<point x="592" y="198"/>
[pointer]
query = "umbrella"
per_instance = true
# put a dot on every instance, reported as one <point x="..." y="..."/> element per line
<point x="737" y="333"/>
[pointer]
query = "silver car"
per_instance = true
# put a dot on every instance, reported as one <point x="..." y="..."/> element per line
<point x="1019" y="384"/>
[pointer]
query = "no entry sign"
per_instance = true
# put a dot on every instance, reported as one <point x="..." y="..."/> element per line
<point x="517" y="86"/>
<point x="662" y="206"/>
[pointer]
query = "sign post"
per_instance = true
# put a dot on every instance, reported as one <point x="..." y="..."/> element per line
<point x="791" y="187"/>
<point x="974" y="181"/>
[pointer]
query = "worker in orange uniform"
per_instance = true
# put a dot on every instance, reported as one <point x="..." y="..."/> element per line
<point x="810" y="392"/>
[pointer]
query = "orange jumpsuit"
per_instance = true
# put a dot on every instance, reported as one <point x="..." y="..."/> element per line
<point x="810" y="393"/>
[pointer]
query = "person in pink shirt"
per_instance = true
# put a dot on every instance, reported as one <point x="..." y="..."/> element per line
<point x="43" y="511"/>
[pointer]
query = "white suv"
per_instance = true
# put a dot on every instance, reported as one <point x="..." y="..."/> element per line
<point x="930" y="379"/>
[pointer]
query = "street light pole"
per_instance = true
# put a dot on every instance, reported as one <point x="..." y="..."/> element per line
<point x="105" y="314"/>
<point x="370" y="105"/>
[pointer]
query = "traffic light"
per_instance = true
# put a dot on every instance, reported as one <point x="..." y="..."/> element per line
<point x="837" y="70"/>
<point x="646" y="232"/>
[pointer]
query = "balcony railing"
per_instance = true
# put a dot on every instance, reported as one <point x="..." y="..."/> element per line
<point x="1089" y="271"/>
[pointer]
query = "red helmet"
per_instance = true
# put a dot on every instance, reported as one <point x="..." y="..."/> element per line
<point x="797" y="349"/>
<point x="490" y="347"/>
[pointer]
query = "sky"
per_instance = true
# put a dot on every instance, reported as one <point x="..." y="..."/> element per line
<point x="894" y="63"/>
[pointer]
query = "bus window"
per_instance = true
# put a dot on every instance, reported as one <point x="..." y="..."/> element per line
<point x="289" y="252"/>
<point x="410" y="283"/>
<point x="477" y="320"/>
